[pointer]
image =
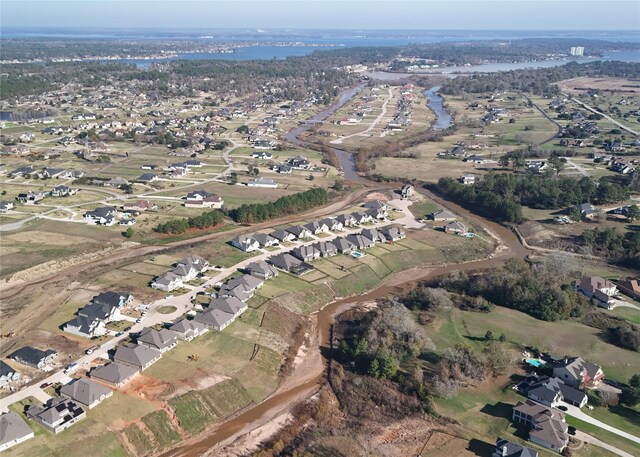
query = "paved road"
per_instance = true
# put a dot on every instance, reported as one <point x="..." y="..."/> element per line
<point x="372" y="125"/>
<point x="578" y="414"/>
<point x="624" y="304"/>
<point x="596" y="442"/>
<point x="609" y="118"/>
<point x="583" y="171"/>
<point x="182" y="304"/>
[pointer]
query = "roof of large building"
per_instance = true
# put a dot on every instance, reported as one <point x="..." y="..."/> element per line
<point x="30" y="355"/>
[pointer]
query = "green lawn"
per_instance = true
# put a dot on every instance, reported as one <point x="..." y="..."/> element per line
<point x="607" y="437"/>
<point x="163" y="430"/>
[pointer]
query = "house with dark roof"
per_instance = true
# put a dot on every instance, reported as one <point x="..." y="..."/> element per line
<point x="630" y="287"/>
<point x="265" y="240"/>
<point x="600" y="290"/>
<point x="231" y="305"/>
<point x="456" y="228"/>
<point x="551" y="391"/>
<point x="114" y="373"/>
<point x="299" y="231"/>
<point x="587" y="210"/>
<point x="8" y="374"/>
<point x="13" y="430"/>
<point x="203" y="199"/>
<point x="578" y="373"/>
<point x="376" y="204"/>
<point x="162" y="340"/>
<point x="325" y="248"/>
<point x="360" y="241"/>
<point x="261" y="270"/>
<point x="63" y="191"/>
<point x="317" y="227"/>
<point x="505" y="448"/>
<point x="57" y="414"/>
<point x="361" y="218"/>
<point x="5" y="206"/>
<point x="306" y="253"/>
<point x="188" y="329"/>
<point x="343" y="245"/>
<point x="246" y="242"/>
<point x="33" y="357"/>
<point x="29" y="197"/>
<point x="215" y="318"/>
<point x="347" y="220"/>
<point x="443" y="215"/>
<point x="393" y="233"/>
<point x="91" y="320"/>
<point x="374" y="235"/>
<point x="333" y="224"/>
<point x="289" y="263"/>
<point x="137" y="356"/>
<point x="114" y="299"/>
<point x="146" y="178"/>
<point x="548" y="426"/>
<point x="283" y="236"/>
<point x="85" y="392"/>
<point x="242" y="287"/>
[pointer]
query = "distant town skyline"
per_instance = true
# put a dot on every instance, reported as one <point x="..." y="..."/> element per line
<point x="329" y="14"/>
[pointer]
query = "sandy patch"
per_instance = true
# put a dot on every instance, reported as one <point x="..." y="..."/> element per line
<point x="250" y="443"/>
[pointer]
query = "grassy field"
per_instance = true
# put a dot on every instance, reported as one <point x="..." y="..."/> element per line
<point x="197" y="410"/>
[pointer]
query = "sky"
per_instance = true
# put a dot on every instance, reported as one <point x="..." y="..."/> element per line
<point x="325" y="14"/>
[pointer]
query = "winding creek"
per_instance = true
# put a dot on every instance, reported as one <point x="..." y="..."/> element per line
<point x="288" y="395"/>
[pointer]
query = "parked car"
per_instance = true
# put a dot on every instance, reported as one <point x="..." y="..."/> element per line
<point x="572" y="430"/>
<point x="127" y="329"/>
<point x="138" y="320"/>
<point x="119" y="334"/>
<point x="44" y="385"/>
<point x="562" y="408"/>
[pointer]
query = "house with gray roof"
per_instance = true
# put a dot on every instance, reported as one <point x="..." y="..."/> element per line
<point x="116" y="299"/>
<point x="317" y="227"/>
<point x="261" y="270"/>
<point x="360" y="241"/>
<point x="86" y="392"/>
<point x="325" y="248"/>
<point x="57" y="414"/>
<point x="373" y="234"/>
<point x="245" y="283"/>
<point x="305" y="253"/>
<point x="91" y="320"/>
<point x="343" y="245"/>
<point x="13" y="430"/>
<point x="548" y="426"/>
<point x="114" y="373"/>
<point x="231" y="305"/>
<point x="407" y="191"/>
<point x="265" y="240"/>
<point x="33" y="357"/>
<point x="393" y="233"/>
<point x="347" y="220"/>
<point x="196" y="262"/>
<point x="505" y="448"/>
<point x="162" y="340"/>
<point x="246" y="242"/>
<point x="188" y="329"/>
<point x="456" y="228"/>
<point x="443" y="215"/>
<point x="215" y="318"/>
<point x="283" y="236"/>
<point x="289" y="263"/>
<point x="167" y="281"/>
<point x="137" y="356"/>
<point x="377" y="213"/>
<point x="550" y="391"/>
<point x="361" y="218"/>
<point x="376" y="204"/>
<point x="578" y="373"/>
<point x="8" y="374"/>
<point x="299" y="231"/>
<point x="333" y="224"/>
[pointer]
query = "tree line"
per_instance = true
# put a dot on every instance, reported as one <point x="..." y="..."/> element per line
<point x="290" y="204"/>
<point x="203" y="221"/>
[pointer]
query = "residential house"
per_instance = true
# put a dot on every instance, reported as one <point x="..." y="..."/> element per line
<point x="147" y="178"/>
<point x="299" y="231"/>
<point x="91" y="320"/>
<point x="360" y="241"/>
<point x="262" y="155"/>
<point x="203" y="199"/>
<point x="57" y="414"/>
<point x="261" y="270"/>
<point x="231" y="305"/>
<point x="467" y="179"/>
<point x="167" y="281"/>
<point x="548" y="426"/>
<point x="443" y="215"/>
<point x="577" y="372"/>
<point x="599" y="290"/>
<point x="407" y="191"/>
<point x="13" y="430"/>
<point x="8" y="374"/>
<point x="551" y="391"/>
<point x="5" y="206"/>
<point x="630" y="287"/>
<point x="114" y="373"/>
<point x="536" y="166"/>
<point x="587" y="210"/>
<point x="343" y="245"/>
<point x="362" y="218"/>
<point x="214" y="318"/>
<point x="373" y="234"/>
<point x="263" y="182"/>
<point x="376" y="204"/>
<point x="137" y="356"/>
<point x="114" y="299"/>
<point x="23" y="172"/>
<point x="85" y="392"/>
<point x="317" y="227"/>
<point x="283" y="236"/>
<point x="282" y="168"/>
<point x="140" y="205"/>
<point x="505" y="448"/>
<point x="325" y="248"/>
<point x="162" y="339"/>
<point x="299" y="162"/>
<point x="63" y="191"/>
<point x="242" y="287"/>
<point x="333" y="224"/>
<point x="265" y="240"/>
<point x="117" y="182"/>
<point x="475" y="159"/>
<point x="456" y="227"/>
<point x="306" y="253"/>
<point x="394" y="233"/>
<point x="187" y="330"/>
<point x="104" y="215"/>
<point x="377" y="213"/>
<point x="30" y="198"/>
<point x="246" y="242"/>
<point x="33" y="357"/>
<point x="347" y="220"/>
<point x="289" y="263"/>
<point x="196" y="262"/>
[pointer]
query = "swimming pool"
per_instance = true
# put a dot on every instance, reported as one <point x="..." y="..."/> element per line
<point x="535" y="362"/>
<point x="357" y="254"/>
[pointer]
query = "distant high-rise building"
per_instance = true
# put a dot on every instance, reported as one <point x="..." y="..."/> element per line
<point x="577" y="51"/>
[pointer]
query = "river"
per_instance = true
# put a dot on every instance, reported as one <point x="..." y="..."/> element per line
<point x="435" y="103"/>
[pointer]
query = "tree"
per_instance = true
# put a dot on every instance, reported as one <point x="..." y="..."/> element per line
<point x="338" y="185"/>
<point x="243" y="129"/>
<point x="389" y="366"/>
<point x="497" y="358"/>
<point x="374" y="369"/>
<point x="634" y="381"/>
<point x="489" y="335"/>
<point x="504" y="161"/>
<point x="128" y="233"/>
<point x="233" y="177"/>
<point x="633" y="212"/>
<point x="502" y="338"/>
<point x="630" y="396"/>
<point x="608" y="397"/>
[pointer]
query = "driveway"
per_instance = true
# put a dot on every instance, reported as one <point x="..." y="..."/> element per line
<point x="576" y="412"/>
<point x="596" y="442"/>
<point x="624" y="304"/>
